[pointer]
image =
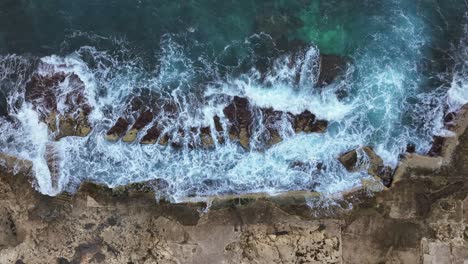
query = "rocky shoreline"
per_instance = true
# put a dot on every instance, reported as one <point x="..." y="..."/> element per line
<point x="421" y="218"/>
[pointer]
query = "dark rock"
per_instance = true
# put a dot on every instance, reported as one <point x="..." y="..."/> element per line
<point x="330" y="67"/>
<point x="437" y="145"/>
<point x="118" y="130"/>
<point x="206" y="138"/>
<point x="152" y="135"/>
<point x="302" y="121"/>
<point x="271" y="120"/>
<point x="306" y="122"/>
<point x="350" y="161"/>
<point x="410" y="148"/>
<point x="178" y="138"/>
<point x="240" y="118"/>
<point x="43" y="91"/>
<point x="219" y="129"/>
<point x="143" y="120"/>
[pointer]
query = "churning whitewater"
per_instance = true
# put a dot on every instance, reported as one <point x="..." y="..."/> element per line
<point x="392" y="91"/>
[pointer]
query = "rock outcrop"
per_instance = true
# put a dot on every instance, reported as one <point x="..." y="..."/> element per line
<point x="60" y="100"/>
<point x="366" y="158"/>
<point x="143" y="120"/>
<point x="241" y="119"/>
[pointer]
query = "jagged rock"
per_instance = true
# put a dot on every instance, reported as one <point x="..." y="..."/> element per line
<point x="152" y="135"/>
<point x="164" y="140"/>
<point x="118" y="130"/>
<point x="306" y="122"/>
<point x="271" y="120"/>
<point x="330" y="67"/>
<point x="45" y="91"/>
<point x="143" y="120"/>
<point x="437" y="145"/>
<point x="352" y="163"/>
<point x="240" y="118"/>
<point x="219" y="129"/>
<point x="178" y="138"/>
<point x="207" y="140"/>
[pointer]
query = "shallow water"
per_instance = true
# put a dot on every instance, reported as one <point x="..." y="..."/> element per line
<point x="406" y="68"/>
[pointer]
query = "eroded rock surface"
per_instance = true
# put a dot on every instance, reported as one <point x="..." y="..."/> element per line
<point x="60" y="100"/>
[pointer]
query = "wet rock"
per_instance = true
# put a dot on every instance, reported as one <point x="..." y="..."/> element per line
<point x="143" y="120"/>
<point x="164" y="140"/>
<point x="306" y="122"/>
<point x="118" y="130"/>
<point x="240" y="118"/>
<point x="356" y="160"/>
<point x="53" y="163"/>
<point x="410" y="148"/>
<point x="437" y="145"/>
<point x="207" y="140"/>
<point x="71" y="117"/>
<point x="331" y="66"/>
<point x="152" y="135"/>
<point x="271" y="120"/>
<point x="219" y="129"/>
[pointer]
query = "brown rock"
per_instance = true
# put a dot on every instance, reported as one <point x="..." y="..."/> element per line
<point x="144" y="119"/>
<point x="376" y="166"/>
<point x="206" y="138"/>
<point x="219" y="129"/>
<point x="240" y="117"/>
<point x="152" y="135"/>
<point x="117" y="130"/>
<point x="306" y="122"/>
<point x="164" y="140"/>
<point x="271" y="120"/>
<point x="43" y="91"/>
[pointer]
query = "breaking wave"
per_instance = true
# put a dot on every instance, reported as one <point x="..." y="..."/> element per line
<point x="383" y="99"/>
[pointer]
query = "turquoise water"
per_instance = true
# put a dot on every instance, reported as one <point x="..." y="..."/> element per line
<point x="406" y="68"/>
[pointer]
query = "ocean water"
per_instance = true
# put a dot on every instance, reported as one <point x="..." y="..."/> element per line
<point x="406" y="68"/>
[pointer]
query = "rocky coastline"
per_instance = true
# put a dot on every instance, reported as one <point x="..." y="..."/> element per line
<point x="421" y="218"/>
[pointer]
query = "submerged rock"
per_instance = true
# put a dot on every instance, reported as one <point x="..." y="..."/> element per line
<point x="207" y="140"/>
<point x="331" y="66"/>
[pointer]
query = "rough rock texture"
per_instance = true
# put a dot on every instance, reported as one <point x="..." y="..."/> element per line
<point x="422" y="218"/>
<point x="118" y="130"/>
<point x="60" y="100"/>
<point x="359" y="159"/>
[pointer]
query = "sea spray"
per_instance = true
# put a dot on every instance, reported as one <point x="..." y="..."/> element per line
<point x="381" y="99"/>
